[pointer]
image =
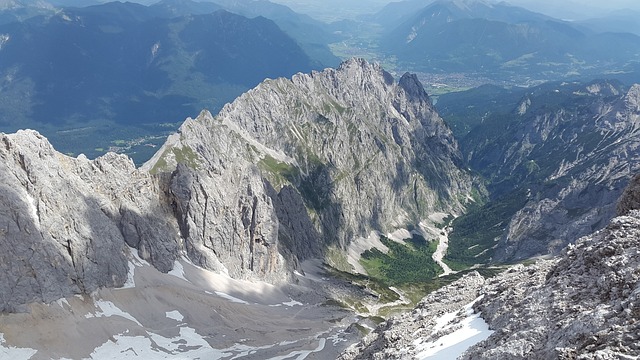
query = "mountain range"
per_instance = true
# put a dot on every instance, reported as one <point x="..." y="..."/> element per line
<point x="332" y="213"/>
<point x="502" y="41"/>
<point x="257" y="193"/>
<point x="84" y="69"/>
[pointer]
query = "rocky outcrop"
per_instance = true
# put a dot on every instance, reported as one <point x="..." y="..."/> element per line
<point x="65" y="221"/>
<point x="572" y="151"/>
<point x="586" y="307"/>
<point x="395" y="338"/>
<point x="268" y="182"/>
<point x="583" y="305"/>
<point x="630" y="199"/>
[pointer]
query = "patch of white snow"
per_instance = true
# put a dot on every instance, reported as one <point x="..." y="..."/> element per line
<point x="178" y="271"/>
<point x="130" y="283"/>
<point x="230" y="298"/>
<point x="175" y="315"/>
<point x="12" y="352"/>
<point x="108" y="309"/>
<point x="472" y="329"/>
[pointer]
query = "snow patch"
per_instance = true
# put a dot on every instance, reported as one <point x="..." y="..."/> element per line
<point x="292" y="303"/>
<point x="12" y="352"/>
<point x="289" y="303"/>
<point x="471" y="330"/>
<point x="63" y="303"/>
<point x="175" y="315"/>
<point x="400" y="235"/>
<point x="230" y="298"/>
<point x="33" y="209"/>
<point x="108" y="309"/>
<point x="130" y="283"/>
<point x="302" y="354"/>
<point x="178" y="271"/>
<point x="187" y="345"/>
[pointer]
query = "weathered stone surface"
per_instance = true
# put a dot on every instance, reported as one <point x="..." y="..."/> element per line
<point x="350" y="149"/>
<point x="279" y="173"/>
<point x="630" y="199"/>
<point x="394" y="338"/>
<point x="591" y="151"/>
<point x="56" y="237"/>
<point x="586" y="306"/>
<point x="583" y="305"/>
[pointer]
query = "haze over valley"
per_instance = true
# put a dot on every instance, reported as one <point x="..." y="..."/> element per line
<point x="319" y="180"/>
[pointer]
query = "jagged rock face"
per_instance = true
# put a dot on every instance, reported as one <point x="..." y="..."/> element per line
<point x="576" y="160"/>
<point x="394" y="339"/>
<point x="586" y="307"/>
<point x="359" y="150"/>
<point x="65" y="221"/>
<point x="630" y="199"/>
<point x="288" y="167"/>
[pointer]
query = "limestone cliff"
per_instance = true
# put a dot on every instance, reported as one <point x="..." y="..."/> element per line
<point x="287" y="168"/>
<point x="350" y="148"/>
<point x="570" y="149"/>
<point x="65" y="221"/>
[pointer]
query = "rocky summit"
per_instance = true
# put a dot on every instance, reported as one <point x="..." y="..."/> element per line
<point x="289" y="167"/>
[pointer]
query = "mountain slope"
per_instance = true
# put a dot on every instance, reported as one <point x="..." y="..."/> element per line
<point x="389" y="159"/>
<point x="554" y="171"/>
<point x="250" y="193"/>
<point x="84" y="69"/>
<point x="504" y="40"/>
<point x="583" y="305"/>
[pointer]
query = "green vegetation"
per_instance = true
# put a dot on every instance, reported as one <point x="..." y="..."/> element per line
<point x="337" y="258"/>
<point x="184" y="155"/>
<point x="281" y="172"/>
<point x="474" y="234"/>
<point x="403" y="264"/>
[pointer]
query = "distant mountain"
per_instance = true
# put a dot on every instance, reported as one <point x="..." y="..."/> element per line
<point x="464" y="110"/>
<point x="19" y="10"/>
<point x="479" y="37"/>
<point x="133" y="64"/>
<point x="621" y="21"/>
<point x="397" y="12"/>
<point x="312" y="35"/>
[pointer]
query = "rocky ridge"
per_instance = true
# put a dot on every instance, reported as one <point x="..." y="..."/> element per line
<point x="584" y="305"/>
<point x="572" y="151"/>
<point x="363" y="153"/>
<point x="250" y="192"/>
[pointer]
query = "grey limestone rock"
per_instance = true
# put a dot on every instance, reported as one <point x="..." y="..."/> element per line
<point x="56" y="237"/>
<point x="349" y="149"/>
<point x="630" y="199"/>
<point x="584" y="306"/>
<point x="288" y="167"/>
<point x="591" y="154"/>
<point x="394" y="338"/>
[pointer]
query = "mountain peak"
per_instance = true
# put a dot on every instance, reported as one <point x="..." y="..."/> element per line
<point x="410" y="83"/>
